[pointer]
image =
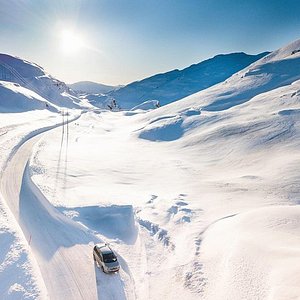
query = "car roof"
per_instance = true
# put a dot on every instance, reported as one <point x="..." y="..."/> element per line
<point x="104" y="248"/>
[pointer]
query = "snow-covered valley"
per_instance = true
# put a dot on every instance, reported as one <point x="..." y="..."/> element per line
<point x="199" y="198"/>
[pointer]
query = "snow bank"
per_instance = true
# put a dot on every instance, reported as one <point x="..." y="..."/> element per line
<point x="114" y="222"/>
<point x="19" y="276"/>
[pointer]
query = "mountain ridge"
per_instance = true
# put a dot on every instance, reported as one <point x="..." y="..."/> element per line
<point x="177" y="84"/>
<point x="92" y="87"/>
<point x="33" y="77"/>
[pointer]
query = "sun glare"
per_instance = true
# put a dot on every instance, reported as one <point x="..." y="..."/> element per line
<point x="71" y="42"/>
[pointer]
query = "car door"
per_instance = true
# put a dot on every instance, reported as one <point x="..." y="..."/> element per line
<point x="96" y="254"/>
<point x="100" y="259"/>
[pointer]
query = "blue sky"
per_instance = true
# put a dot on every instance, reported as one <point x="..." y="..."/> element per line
<point x="126" y="40"/>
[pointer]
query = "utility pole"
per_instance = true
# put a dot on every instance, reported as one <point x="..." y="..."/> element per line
<point x="63" y="122"/>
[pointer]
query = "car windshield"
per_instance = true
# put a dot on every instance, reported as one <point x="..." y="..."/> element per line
<point x="109" y="257"/>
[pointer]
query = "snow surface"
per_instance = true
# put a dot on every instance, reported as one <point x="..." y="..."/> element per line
<point x="199" y="198"/>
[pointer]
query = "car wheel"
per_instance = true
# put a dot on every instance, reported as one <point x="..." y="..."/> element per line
<point x="94" y="257"/>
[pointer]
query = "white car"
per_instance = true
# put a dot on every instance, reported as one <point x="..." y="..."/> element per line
<point x="106" y="258"/>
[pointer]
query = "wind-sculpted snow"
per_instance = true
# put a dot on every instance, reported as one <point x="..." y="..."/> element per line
<point x="114" y="222"/>
<point x="169" y="128"/>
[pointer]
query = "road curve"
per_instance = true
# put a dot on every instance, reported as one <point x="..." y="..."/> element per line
<point x="61" y="247"/>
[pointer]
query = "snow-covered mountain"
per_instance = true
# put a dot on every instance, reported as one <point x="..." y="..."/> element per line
<point x="171" y="86"/>
<point x="91" y="87"/>
<point x="278" y="69"/>
<point x="201" y="194"/>
<point x="241" y="141"/>
<point x="34" y="78"/>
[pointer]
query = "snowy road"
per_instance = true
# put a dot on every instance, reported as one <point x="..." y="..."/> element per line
<point x="59" y="245"/>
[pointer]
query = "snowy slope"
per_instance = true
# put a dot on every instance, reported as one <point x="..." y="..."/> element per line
<point x="14" y="98"/>
<point x="176" y="84"/>
<point x="34" y="78"/>
<point x="212" y="181"/>
<point x="279" y="68"/>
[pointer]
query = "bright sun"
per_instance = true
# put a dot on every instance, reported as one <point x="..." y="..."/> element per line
<point x="71" y="42"/>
